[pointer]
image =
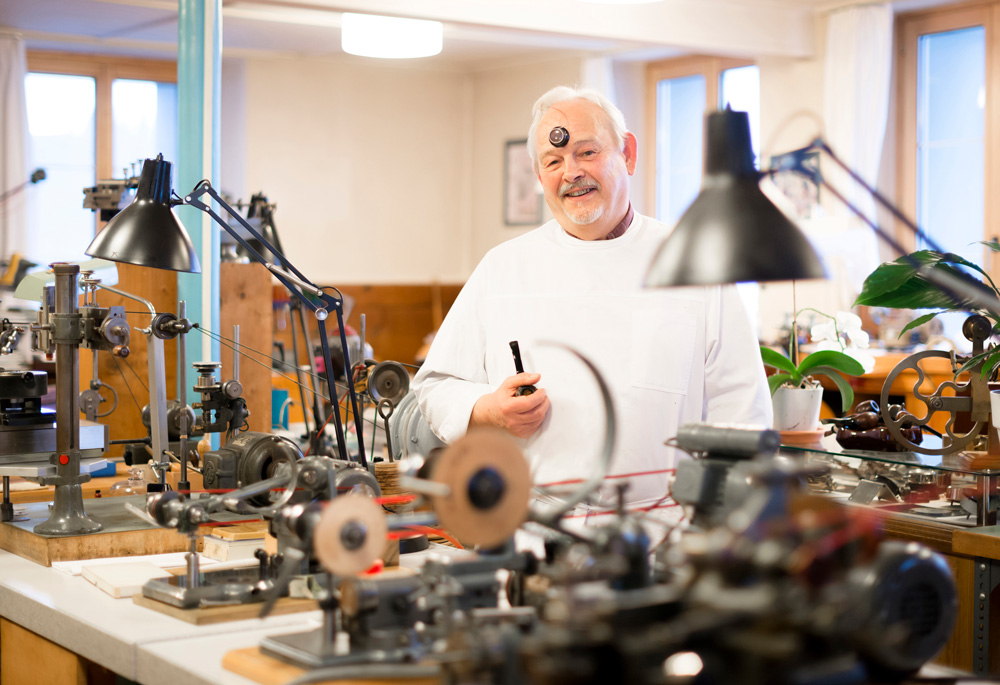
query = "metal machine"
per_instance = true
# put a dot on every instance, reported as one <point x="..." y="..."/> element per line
<point x="786" y="588"/>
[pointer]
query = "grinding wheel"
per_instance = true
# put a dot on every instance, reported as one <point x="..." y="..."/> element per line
<point x="350" y="534"/>
<point x="489" y="483"/>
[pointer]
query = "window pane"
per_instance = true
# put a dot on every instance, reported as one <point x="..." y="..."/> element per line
<point x="739" y="88"/>
<point x="144" y="123"/>
<point x="61" y="124"/>
<point x="680" y="109"/>
<point x="951" y="99"/>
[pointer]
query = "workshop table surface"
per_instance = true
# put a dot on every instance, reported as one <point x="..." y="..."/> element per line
<point x="198" y="660"/>
<point x="70" y="611"/>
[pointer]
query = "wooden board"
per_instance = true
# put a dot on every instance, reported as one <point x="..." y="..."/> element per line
<point x="245" y="295"/>
<point x="223" y="614"/>
<point x="978" y="542"/>
<point x="44" y="551"/>
<point x="260" y="668"/>
<point x="252" y="530"/>
<point x="121" y="580"/>
<point x="32" y="659"/>
<point x="159" y="287"/>
<point x="124" y="534"/>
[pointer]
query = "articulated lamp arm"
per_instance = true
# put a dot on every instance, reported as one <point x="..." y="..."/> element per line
<point x="298" y="285"/>
<point x="964" y="290"/>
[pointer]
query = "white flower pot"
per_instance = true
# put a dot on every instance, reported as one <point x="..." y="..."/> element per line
<point x="797" y="409"/>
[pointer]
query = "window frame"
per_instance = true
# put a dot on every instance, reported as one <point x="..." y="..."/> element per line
<point x="104" y="69"/>
<point x="909" y="28"/>
<point x="708" y="66"/>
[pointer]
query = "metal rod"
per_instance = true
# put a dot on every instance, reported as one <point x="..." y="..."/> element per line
<point x="193" y="571"/>
<point x="319" y="411"/>
<point x="183" y="483"/>
<point x="236" y="351"/>
<point x="298" y="365"/>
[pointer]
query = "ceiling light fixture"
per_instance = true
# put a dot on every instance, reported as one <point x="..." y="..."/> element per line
<point x="368" y="35"/>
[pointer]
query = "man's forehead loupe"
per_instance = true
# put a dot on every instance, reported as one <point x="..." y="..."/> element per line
<point x="558" y="136"/>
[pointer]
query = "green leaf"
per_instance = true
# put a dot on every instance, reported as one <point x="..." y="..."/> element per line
<point x="888" y="277"/>
<point x="846" y="391"/>
<point x="899" y="285"/>
<point x="837" y="360"/>
<point x="777" y="380"/>
<point x="975" y="359"/>
<point x="992" y="244"/>
<point x="776" y="360"/>
<point x="919" y="321"/>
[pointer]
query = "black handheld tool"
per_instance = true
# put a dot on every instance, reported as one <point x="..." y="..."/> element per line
<point x="519" y="367"/>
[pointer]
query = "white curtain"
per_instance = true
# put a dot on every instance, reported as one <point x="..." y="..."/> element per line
<point x="14" y="143"/>
<point x="856" y="82"/>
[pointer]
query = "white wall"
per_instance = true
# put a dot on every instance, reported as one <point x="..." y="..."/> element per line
<point x="502" y="112"/>
<point x="385" y="173"/>
<point x="363" y="161"/>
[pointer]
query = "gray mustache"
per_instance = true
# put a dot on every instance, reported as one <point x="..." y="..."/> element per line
<point x="579" y="185"/>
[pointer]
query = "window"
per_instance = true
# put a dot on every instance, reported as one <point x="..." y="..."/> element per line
<point x="62" y="143"/>
<point x="683" y="89"/>
<point x="944" y="131"/>
<point x="944" y="126"/>
<point x="88" y="118"/>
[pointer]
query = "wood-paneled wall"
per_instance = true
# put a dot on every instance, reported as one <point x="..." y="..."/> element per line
<point x="397" y="317"/>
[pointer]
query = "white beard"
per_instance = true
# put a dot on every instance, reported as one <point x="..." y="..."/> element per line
<point x="586" y="217"/>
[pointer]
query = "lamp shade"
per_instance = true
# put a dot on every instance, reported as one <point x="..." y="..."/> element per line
<point x="732" y="233"/>
<point x="147" y="232"/>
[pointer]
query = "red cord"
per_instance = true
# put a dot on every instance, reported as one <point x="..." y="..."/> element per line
<point x="618" y="475"/>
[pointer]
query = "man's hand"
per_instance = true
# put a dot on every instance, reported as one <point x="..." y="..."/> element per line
<point x="519" y="416"/>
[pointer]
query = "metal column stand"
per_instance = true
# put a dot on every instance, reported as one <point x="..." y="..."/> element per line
<point x="68" y="516"/>
<point x="987" y="578"/>
<point x="184" y="485"/>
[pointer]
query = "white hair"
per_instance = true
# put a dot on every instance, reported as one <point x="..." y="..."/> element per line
<point x="564" y="93"/>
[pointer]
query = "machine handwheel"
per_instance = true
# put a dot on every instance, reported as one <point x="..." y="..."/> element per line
<point x="950" y="442"/>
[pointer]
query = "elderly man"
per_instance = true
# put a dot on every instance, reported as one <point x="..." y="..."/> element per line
<point x="668" y="356"/>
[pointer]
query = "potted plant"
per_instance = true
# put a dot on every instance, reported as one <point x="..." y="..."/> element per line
<point x="796" y="395"/>
<point x="901" y="284"/>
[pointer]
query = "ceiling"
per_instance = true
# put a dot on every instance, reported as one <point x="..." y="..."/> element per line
<point x="478" y="33"/>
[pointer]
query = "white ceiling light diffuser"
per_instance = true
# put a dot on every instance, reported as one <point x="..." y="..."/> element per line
<point x="368" y="35"/>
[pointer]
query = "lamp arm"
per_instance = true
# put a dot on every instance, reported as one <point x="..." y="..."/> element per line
<point x="962" y="290"/>
<point x="295" y="282"/>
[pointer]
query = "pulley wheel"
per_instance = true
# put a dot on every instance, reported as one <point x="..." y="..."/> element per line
<point x="489" y="483"/>
<point x="350" y="534"/>
<point x="388" y="381"/>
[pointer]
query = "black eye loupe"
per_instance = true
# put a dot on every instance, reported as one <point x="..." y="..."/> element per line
<point x="559" y="136"/>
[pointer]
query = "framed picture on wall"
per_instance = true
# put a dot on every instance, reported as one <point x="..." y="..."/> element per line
<point x="522" y="201"/>
<point x="801" y="192"/>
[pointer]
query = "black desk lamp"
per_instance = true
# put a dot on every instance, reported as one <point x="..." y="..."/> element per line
<point x="732" y="233"/>
<point x="148" y="233"/>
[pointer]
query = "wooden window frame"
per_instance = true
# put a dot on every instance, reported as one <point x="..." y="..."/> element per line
<point x="104" y="69"/>
<point x="710" y="67"/>
<point x="909" y="27"/>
